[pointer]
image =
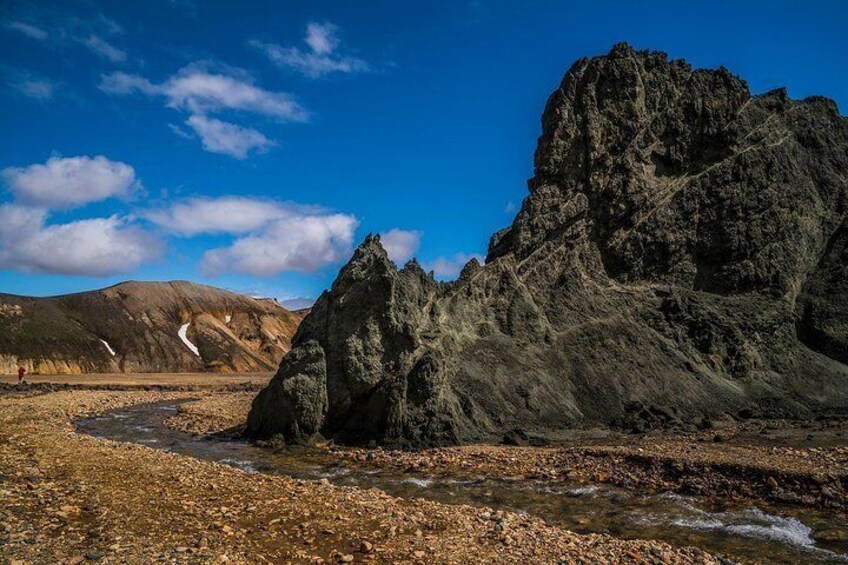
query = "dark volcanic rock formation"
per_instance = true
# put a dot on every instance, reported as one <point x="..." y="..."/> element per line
<point x="683" y="253"/>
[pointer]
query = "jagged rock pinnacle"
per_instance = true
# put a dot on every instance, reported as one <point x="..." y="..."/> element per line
<point x="680" y="255"/>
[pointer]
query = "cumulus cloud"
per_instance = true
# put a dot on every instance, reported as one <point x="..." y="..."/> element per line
<point x="227" y="214"/>
<point x="105" y="49"/>
<point x="228" y="139"/>
<point x="16" y="222"/>
<point x="274" y="236"/>
<point x="70" y="182"/>
<point x="450" y="267"/>
<point x="321" y="56"/>
<point x="94" y="247"/>
<point x="300" y="243"/>
<point x="400" y="245"/>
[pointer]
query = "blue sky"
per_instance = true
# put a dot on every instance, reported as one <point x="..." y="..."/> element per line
<point x="251" y="145"/>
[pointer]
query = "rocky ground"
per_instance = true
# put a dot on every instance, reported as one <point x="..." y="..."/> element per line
<point x="144" y="379"/>
<point x="810" y="477"/>
<point x="213" y="414"/>
<point x="72" y="498"/>
<point x="803" y="463"/>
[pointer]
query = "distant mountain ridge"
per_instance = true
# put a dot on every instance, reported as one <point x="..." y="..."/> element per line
<point x="295" y="304"/>
<point x="144" y="327"/>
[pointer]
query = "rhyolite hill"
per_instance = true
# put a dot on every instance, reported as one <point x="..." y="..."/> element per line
<point x="682" y="254"/>
<point x="134" y="327"/>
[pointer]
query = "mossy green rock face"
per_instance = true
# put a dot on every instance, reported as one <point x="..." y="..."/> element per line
<point x="683" y="253"/>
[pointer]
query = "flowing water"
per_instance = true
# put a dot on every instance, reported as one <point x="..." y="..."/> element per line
<point x="745" y="533"/>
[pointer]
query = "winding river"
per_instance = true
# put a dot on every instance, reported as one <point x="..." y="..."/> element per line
<point x="744" y="533"/>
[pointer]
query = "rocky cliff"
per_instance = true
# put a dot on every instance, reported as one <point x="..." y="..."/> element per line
<point x="143" y="327"/>
<point x="682" y="254"/>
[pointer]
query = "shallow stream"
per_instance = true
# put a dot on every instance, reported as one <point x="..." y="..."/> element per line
<point x="741" y="532"/>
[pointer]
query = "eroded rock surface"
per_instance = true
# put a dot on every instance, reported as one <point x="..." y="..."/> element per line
<point x="682" y="255"/>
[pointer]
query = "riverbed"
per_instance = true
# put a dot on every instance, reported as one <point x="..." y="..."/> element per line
<point x="742" y="532"/>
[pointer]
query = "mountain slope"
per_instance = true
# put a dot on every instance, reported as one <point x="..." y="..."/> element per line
<point x="681" y="255"/>
<point x="140" y="323"/>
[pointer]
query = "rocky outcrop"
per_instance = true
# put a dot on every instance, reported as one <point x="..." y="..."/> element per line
<point x="135" y="326"/>
<point x="682" y="254"/>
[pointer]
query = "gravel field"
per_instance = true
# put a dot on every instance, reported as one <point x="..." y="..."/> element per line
<point x="147" y="379"/>
<point x="735" y="463"/>
<point x="71" y="498"/>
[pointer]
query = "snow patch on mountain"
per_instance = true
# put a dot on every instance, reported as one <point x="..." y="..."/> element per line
<point x="182" y="333"/>
<point x="109" y="347"/>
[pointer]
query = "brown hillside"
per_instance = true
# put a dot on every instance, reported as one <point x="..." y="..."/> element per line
<point x="140" y="322"/>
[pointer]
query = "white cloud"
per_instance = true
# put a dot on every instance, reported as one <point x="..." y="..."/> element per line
<point x="107" y="25"/>
<point x="400" y="245"/>
<point x="201" y="92"/>
<point x="228" y="139"/>
<point x="28" y="83"/>
<point x="228" y="214"/>
<point x="28" y="30"/>
<point x="94" y="247"/>
<point x="125" y="83"/>
<point x="299" y="243"/>
<point x="18" y="221"/>
<point x="322" y="38"/>
<point x="88" y="32"/>
<point x="321" y="57"/>
<point x="39" y="89"/>
<point x="449" y="267"/>
<point x="104" y="49"/>
<point x="70" y="182"/>
<point x="275" y="236"/>
<point x="180" y="131"/>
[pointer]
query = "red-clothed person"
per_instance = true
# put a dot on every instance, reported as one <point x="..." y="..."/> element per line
<point x="21" y="373"/>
